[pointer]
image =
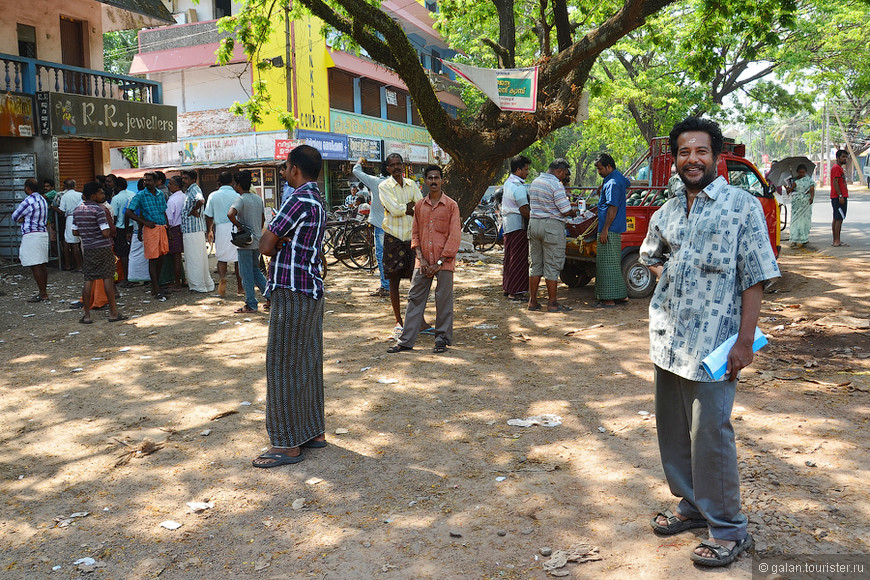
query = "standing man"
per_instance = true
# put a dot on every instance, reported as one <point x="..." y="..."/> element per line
<point x="32" y="214"/>
<point x="119" y="204"/>
<point x="839" y="195"/>
<point x="91" y="224"/>
<point x="174" y="208"/>
<point x="295" y="415"/>
<point x="248" y="212"/>
<point x="152" y="223"/>
<point x="436" y="233"/>
<point x="515" y="213"/>
<point x="220" y="230"/>
<point x="609" y="284"/>
<point x="69" y="201"/>
<point x="376" y="218"/>
<point x="709" y="289"/>
<point x="548" y="210"/>
<point x="193" y="234"/>
<point x="399" y="195"/>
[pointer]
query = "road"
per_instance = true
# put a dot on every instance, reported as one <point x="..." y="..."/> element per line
<point x="856" y="227"/>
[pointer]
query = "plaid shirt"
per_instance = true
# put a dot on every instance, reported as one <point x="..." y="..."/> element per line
<point x="151" y="206"/>
<point x="191" y="224"/>
<point x="297" y="265"/>
<point x="34" y="210"/>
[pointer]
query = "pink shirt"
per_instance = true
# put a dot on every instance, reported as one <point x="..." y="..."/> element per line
<point x="437" y="231"/>
<point x="174" y="207"/>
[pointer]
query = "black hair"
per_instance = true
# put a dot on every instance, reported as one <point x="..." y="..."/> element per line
<point x="243" y="178"/>
<point x="392" y="155"/>
<point x="140" y="185"/>
<point x="361" y="198"/>
<point x="90" y="189"/>
<point x="191" y="173"/>
<point x="519" y="162"/>
<point x="32" y="185"/>
<point x="605" y="160"/>
<point x="225" y="178"/>
<point x="160" y="176"/>
<point x="69" y="183"/>
<point x="49" y="181"/>
<point x="698" y="124"/>
<point x="433" y="168"/>
<point x="802" y="166"/>
<point x="308" y="160"/>
<point x="559" y="164"/>
<point x="120" y="183"/>
<point x="841" y="152"/>
<point x="384" y="171"/>
<point x="176" y="179"/>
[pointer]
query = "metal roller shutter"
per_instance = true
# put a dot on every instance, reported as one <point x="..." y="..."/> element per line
<point x="76" y="161"/>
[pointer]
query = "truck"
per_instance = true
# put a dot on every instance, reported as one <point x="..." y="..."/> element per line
<point x="644" y="198"/>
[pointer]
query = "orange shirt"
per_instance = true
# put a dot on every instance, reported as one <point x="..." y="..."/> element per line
<point x="437" y="231"/>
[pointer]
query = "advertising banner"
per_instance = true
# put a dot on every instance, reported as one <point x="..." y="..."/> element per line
<point x="330" y="145"/>
<point x="16" y="115"/>
<point x="511" y="89"/>
<point x="357" y="147"/>
<point x="418" y="154"/>
<point x="403" y="149"/>
<point x="360" y="125"/>
<point x="283" y="147"/>
<point x="109" y="119"/>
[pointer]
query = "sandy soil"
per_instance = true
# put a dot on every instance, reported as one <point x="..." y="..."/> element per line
<point x="426" y="479"/>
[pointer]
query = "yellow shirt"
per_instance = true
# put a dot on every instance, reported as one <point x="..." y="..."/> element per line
<point x="395" y="198"/>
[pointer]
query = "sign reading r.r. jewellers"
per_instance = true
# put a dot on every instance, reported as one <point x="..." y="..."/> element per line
<point x="109" y="119"/>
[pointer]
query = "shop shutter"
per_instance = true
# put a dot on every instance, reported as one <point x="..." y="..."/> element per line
<point x="76" y="160"/>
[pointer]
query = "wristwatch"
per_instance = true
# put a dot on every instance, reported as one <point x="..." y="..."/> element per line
<point x="440" y="262"/>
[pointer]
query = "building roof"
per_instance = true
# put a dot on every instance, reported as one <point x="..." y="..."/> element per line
<point x="201" y="55"/>
<point x="151" y="8"/>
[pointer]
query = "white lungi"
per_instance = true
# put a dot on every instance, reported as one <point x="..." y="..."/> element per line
<point x="137" y="267"/>
<point x="34" y="249"/>
<point x="223" y="245"/>
<point x="196" y="263"/>
<point x="67" y="232"/>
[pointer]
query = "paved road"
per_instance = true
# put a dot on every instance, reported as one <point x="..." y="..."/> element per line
<point x="856" y="227"/>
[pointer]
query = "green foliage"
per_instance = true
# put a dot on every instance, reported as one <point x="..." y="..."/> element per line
<point x="131" y="154"/>
<point x="118" y="50"/>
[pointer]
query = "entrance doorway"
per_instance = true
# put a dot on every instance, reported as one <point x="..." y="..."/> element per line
<point x="73" y="47"/>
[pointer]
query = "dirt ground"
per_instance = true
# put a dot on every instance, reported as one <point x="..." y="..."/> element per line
<point x="423" y="477"/>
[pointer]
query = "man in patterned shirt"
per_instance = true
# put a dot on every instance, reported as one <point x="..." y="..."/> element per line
<point x="193" y="232"/>
<point x="709" y="289"/>
<point x="152" y="205"/>
<point x="32" y="214"/>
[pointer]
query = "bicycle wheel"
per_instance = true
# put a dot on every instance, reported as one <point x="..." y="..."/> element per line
<point x="361" y="247"/>
<point x="484" y="233"/>
<point x="331" y="237"/>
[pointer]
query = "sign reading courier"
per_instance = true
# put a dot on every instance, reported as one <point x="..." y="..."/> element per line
<point x="66" y="115"/>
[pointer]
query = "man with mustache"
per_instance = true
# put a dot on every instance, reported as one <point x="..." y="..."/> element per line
<point x="710" y="249"/>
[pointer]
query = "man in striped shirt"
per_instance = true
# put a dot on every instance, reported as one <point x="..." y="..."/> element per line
<point x="32" y="214"/>
<point x="193" y="232"/>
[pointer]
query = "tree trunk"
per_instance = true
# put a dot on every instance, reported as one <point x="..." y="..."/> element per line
<point x="466" y="182"/>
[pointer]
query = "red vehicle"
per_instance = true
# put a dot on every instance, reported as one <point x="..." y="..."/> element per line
<point x="645" y="197"/>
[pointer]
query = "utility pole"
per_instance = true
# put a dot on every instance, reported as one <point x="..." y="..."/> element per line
<point x="823" y="177"/>
<point x="288" y="64"/>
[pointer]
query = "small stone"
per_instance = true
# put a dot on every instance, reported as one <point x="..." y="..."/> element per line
<point x="341" y="431"/>
<point x="502" y="533"/>
<point x="546" y="551"/>
<point x="206" y="433"/>
<point x="810" y="463"/>
<point x="366" y="544"/>
<point x="528" y="531"/>
<point x="298" y="504"/>
<point x="455" y="534"/>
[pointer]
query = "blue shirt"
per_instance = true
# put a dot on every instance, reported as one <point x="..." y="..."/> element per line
<point x="516" y="195"/>
<point x="151" y="206"/>
<point x="219" y="203"/>
<point x="613" y="194"/>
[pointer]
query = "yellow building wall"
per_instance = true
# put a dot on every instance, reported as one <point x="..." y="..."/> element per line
<point x="308" y="73"/>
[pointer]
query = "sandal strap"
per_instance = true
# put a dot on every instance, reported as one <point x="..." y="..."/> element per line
<point x="721" y="551"/>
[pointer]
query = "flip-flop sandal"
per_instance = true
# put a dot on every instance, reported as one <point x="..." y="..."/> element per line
<point x="429" y="330"/>
<point x="278" y="460"/>
<point x="314" y="444"/>
<point x="36" y="299"/>
<point x="535" y="308"/>
<point x="722" y="555"/>
<point x="675" y="525"/>
<point x="560" y="308"/>
<point x="83" y="321"/>
<point x="603" y="305"/>
<point x="439" y="348"/>
<point x="244" y="310"/>
<point x="120" y="318"/>
<point x="398" y="348"/>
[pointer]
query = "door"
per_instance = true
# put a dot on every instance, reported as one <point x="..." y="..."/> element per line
<point x="76" y="161"/>
<point x="73" y="53"/>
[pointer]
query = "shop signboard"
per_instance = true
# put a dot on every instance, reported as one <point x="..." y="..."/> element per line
<point x="403" y="149"/>
<point x="16" y="115"/>
<point x="283" y="147"/>
<point x="418" y="154"/>
<point x="369" y="149"/>
<point x="229" y="149"/>
<point x="109" y="119"/>
<point x="346" y="123"/>
<point x="330" y="145"/>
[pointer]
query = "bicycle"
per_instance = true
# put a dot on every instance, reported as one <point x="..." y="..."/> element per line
<point x="483" y="227"/>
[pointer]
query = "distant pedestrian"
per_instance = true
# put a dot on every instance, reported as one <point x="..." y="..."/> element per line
<point x="376" y="218"/>
<point x="32" y="214"/>
<point x="174" y="209"/>
<point x="248" y="212"/>
<point x="548" y="209"/>
<point x="123" y="232"/>
<point x="609" y="284"/>
<point x="220" y="229"/>
<point x="803" y="192"/>
<point x="151" y="204"/>
<point x="69" y="201"/>
<point x="839" y="195"/>
<point x="515" y="214"/>
<point x="295" y="415"/>
<point x="193" y="229"/>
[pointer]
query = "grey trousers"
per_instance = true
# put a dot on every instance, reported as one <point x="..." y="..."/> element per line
<point x="699" y="455"/>
<point x="417" y="297"/>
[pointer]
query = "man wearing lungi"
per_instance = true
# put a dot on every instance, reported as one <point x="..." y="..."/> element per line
<point x="220" y="229"/>
<point x="32" y="214"/>
<point x="174" y="208"/>
<point x="294" y="352"/>
<point x="399" y="195"/>
<point x="515" y="213"/>
<point x="610" y="287"/>
<point x="193" y="229"/>
<point x="152" y="223"/>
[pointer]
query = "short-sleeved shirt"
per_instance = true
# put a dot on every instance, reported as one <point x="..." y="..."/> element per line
<point x="376" y="215"/>
<point x="296" y="266"/>
<point x="437" y="231"/>
<point x="219" y="203"/>
<point x="90" y="220"/>
<point x="151" y="206"/>
<point x="69" y="201"/>
<point x="716" y="253"/>
<point x="252" y="212"/>
<point x="395" y="198"/>
<point x="34" y="210"/>
<point x="613" y="194"/>
<point x="547" y="199"/>
<point x="190" y="223"/>
<point x="839" y="176"/>
<point x="174" y="207"/>
<point x="516" y="195"/>
<point x="119" y="206"/>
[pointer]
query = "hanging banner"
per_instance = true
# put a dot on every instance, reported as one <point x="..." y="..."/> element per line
<point x="511" y="89"/>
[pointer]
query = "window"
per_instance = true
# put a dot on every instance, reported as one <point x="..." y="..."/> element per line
<point x="415" y="116"/>
<point x="436" y="64"/>
<point x="742" y="176"/>
<point x="26" y="41"/>
<point x="340" y="90"/>
<point x="398" y="111"/>
<point x="370" y="93"/>
<point x="223" y="8"/>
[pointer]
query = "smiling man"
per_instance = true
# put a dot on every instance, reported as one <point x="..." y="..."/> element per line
<point x="710" y="249"/>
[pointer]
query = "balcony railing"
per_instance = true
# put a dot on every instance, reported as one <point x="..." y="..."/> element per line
<point x="28" y="75"/>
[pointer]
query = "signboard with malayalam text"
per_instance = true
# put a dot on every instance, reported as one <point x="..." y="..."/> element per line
<point x="16" y="115"/>
<point x="330" y="145"/>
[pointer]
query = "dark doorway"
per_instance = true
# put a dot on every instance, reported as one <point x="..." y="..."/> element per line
<point x="73" y="53"/>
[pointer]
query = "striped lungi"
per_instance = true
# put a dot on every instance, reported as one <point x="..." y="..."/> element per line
<point x="515" y="274"/>
<point x="294" y="369"/>
<point x="609" y="283"/>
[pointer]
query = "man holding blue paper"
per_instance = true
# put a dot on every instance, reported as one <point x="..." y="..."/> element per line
<point x="710" y="249"/>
